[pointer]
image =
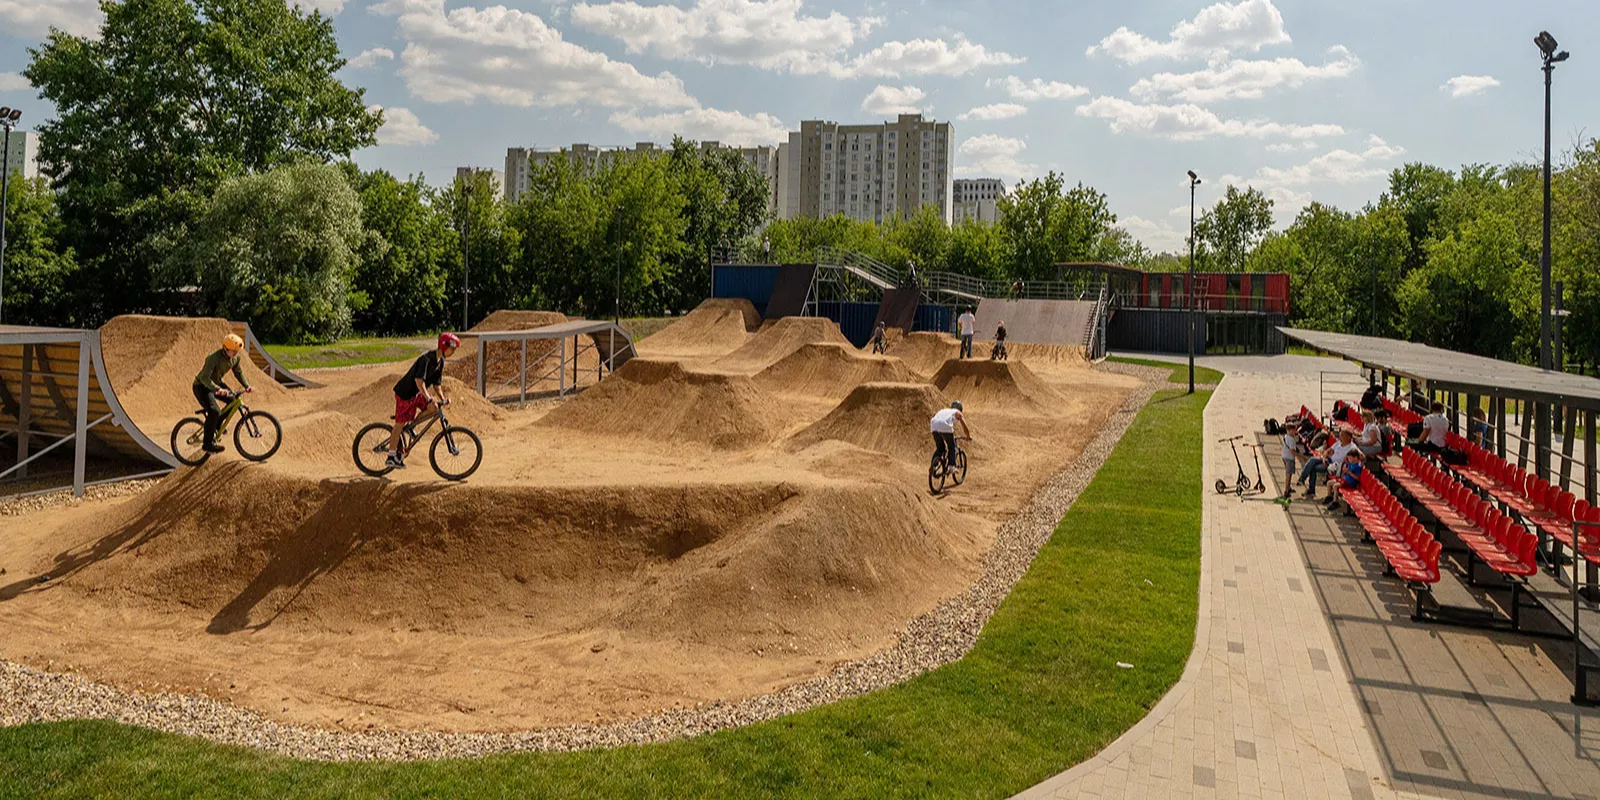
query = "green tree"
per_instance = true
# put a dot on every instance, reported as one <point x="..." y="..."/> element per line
<point x="923" y="237"/>
<point x="1418" y="191"/>
<point x="484" y="257"/>
<point x="977" y="250"/>
<point x="1228" y="231"/>
<point x="279" y="250"/>
<point x="1473" y="293"/>
<point x="172" y="98"/>
<point x="406" y="256"/>
<point x="1042" y="225"/>
<point x="39" y="270"/>
<point x="725" y="202"/>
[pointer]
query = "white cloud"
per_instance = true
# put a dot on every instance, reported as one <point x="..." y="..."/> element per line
<point x="12" y="82"/>
<point x="702" y="124"/>
<point x="994" y="156"/>
<point x="771" y="34"/>
<point x="1215" y="32"/>
<point x="1188" y="122"/>
<point x="402" y="128"/>
<point x="922" y="57"/>
<point x="894" y="100"/>
<point x="513" y="58"/>
<point x="1335" y="166"/>
<point x="37" y="17"/>
<point x="995" y="111"/>
<point x="1243" y="79"/>
<point x="370" y="58"/>
<point x="1468" y="85"/>
<point x="1157" y="236"/>
<point x="1291" y="147"/>
<point x="1037" y="89"/>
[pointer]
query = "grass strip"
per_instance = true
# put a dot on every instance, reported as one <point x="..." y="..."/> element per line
<point x="1040" y="692"/>
<point x="346" y="352"/>
<point x="1180" y="372"/>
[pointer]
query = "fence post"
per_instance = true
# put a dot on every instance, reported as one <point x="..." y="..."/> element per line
<point x="25" y="408"/>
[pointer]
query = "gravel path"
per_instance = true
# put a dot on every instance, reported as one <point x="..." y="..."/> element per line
<point x="930" y="641"/>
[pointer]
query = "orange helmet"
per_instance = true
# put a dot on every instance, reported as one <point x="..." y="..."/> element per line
<point x="232" y="343"/>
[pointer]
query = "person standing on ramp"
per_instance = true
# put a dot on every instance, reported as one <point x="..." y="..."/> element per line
<point x="210" y="390"/>
<point x="966" y="324"/>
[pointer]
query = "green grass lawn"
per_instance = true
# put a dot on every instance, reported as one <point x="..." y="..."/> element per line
<point x="1040" y="692"/>
<point x="347" y="352"/>
<point x="1180" y="372"/>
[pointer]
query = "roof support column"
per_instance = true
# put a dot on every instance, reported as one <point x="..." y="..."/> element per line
<point x="1590" y="469"/>
<point x="25" y="409"/>
<point x="1568" y="441"/>
<point x="80" y="445"/>
<point x="1541" y="440"/>
<point x="1500" y="426"/>
<point x="1527" y="431"/>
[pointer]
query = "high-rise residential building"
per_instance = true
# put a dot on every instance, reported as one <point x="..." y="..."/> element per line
<point x="497" y="179"/>
<point x="520" y="161"/>
<point x="868" y="172"/>
<point x="977" y="199"/>
<point x="23" y="156"/>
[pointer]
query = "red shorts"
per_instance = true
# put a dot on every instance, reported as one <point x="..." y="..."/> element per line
<point x="407" y="410"/>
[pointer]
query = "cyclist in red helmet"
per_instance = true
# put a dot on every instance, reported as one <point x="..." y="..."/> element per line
<point x="412" y="397"/>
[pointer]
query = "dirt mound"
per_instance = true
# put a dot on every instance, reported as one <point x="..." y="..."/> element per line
<point x="779" y="338"/>
<point x="926" y="351"/>
<point x="663" y="401"/>
<point x="716" y="327"/>
<point x="507" y="319"/>
<point x="982" y="385"/>
<point x="152" y="361"/>
<point x="830" y="370"/>
<point x="1052" y="355"/>
<point x="887" y="417"/>
<point x="375" y="403"/>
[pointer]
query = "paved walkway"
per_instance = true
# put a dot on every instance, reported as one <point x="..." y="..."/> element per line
<point x="1265" y="707"/>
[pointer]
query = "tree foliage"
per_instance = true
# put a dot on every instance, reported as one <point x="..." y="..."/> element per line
<point x="1227" y="233"/>
<point x="39" y="268"/>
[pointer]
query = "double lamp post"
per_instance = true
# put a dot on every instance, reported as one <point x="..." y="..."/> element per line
<point x="8" y="120"/>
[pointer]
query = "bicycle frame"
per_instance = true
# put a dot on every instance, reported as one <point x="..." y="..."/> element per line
<point x="411" y="434"/>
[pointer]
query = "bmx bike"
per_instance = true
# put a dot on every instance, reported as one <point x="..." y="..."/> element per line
<point x="1242" y="484"/>
<point x="998" y="353"/>
<point x="455" y="452"/>
<point x="879" y="345"/>
<point x="256" y="436"/>
<point x="942" y="473"/>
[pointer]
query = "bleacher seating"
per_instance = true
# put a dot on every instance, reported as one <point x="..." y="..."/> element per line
<point x="1490" y="536"/>
<point x="1412" y="553"/>
<point x="1537" y="501"/>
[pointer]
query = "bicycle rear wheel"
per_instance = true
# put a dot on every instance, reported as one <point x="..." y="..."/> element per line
<point x="937" y="474"/>
<point x="455" y="453"/>
<point x="371" y="449"/>
<point x="959" y="472"/>
<point x="187" y="437"/>
<point x="257" y="436"/>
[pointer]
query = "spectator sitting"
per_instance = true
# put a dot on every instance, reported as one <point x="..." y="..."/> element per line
<point x="1478" y="428"/>
<point x="1371" y="440"/>
<point x="1349" y="476"/>
<point x="1435" y="427"/>
<point x="1372" y="398"/>
<point x="1329" y="461"/>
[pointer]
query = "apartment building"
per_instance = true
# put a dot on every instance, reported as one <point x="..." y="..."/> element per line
<point x="977" y="199"/>
<point x="23" y="154"/>
<point x="497" y="179"/>
<point x="872" y="172"/>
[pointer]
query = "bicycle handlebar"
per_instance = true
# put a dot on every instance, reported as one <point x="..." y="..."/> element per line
<point x="1231" y="439"/>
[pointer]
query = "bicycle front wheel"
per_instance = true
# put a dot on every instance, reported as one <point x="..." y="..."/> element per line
<point x="959" y="472"/>
<point x="455" y="453"/>
<point x="257" y="436"/>
<point x="188" y="436"/>
<point x="371" y="449"/>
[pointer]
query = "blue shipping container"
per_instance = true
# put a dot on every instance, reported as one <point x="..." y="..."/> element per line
<point x="753" y="283"/>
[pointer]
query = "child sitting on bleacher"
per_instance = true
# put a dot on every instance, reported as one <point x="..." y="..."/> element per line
<point x="1349" y="476"/>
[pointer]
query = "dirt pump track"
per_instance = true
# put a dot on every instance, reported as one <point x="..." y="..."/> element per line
<point x="699" y="527"/>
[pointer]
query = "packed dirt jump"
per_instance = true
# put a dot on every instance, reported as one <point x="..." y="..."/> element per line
<point x="705" y="525"/>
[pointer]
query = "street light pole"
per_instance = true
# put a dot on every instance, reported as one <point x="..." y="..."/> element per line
<point x="1547" y="48"/>
<point x="8" y="119"/>
<point x="466" y="252"/>
<point x="1194" y="180"/>
<point x="616" y="260"/>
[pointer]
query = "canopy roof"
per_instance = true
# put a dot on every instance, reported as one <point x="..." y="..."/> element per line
<point x="1449" y="370"/>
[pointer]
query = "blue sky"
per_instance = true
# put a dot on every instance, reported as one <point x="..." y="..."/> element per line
<point x="1303" y="99"/>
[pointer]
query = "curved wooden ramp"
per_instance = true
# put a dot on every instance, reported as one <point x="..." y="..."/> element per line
<point x="266" y="363"/>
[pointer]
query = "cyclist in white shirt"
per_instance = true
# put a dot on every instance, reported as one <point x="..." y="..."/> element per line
<point x="966" y="323"/>
<point x="943" y="428"/>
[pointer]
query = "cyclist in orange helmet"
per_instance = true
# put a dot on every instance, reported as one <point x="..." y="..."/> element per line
<point x="212" y="392"/>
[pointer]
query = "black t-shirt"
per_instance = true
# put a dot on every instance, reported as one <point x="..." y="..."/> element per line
<point x="1000" y="333"/>
<point x="428" y="367"/>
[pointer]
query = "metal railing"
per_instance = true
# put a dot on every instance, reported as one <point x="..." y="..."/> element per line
<point x="870" y="269"/>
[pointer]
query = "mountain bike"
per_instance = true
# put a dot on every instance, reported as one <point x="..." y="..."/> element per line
<point x="256" y="436"/>
<point x="455" y="452"/>
<point x="879" y="345"/>
<point x="998" y="353"/>
<point x="942" y="473"/>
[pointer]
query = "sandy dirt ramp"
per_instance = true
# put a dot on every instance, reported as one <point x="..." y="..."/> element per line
<point x="830" y="370"/>
<point x="715" y="327"/>
<point x="662" y="401"/>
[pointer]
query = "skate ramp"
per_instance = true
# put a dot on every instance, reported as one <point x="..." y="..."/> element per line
<point x="826" y="369"/>
<point x="899" y="308"/>
<point x="889" y="418"/>
<point x="791" y="291"/>
<point x="1060" y="322"/>
<point x="152" y="362"/>
<point x="1006" y="386"/>
<point x="778" y="338"/>
<point x="266" y="363"/>
<point x="662" y="401"/>
<point x="716" y="327"/>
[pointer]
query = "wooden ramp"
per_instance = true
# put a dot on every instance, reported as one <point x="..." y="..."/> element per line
<point x="266" y="363"/>
<point x="1039" y="321"/>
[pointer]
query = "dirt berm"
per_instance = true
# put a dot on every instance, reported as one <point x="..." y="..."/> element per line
<point x="889" y="418"/>
<point x="926" y="351"/>
<point x="715" y="327"/>
<point x="830" y="370"/>
<point x="152" y="363"/>
<point x="779" y="338"/>
<point x="663" y="401"/>
<point x="986" y="385"/>
<point x="505" y="358"/>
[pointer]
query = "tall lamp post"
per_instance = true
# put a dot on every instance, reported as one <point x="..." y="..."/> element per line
<point x="466" y="250"/>
<point x="8" y="120"/>
<point x="1194" y="180"/>
<point x="1550" y="56"/>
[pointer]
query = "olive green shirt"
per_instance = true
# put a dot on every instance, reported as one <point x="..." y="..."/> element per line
<point x="217" y="367"/>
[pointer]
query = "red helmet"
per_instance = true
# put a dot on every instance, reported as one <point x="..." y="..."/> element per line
<point x="448" y="339"/>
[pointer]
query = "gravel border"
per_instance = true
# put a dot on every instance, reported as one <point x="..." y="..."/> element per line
<point x="932" y="640"/>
